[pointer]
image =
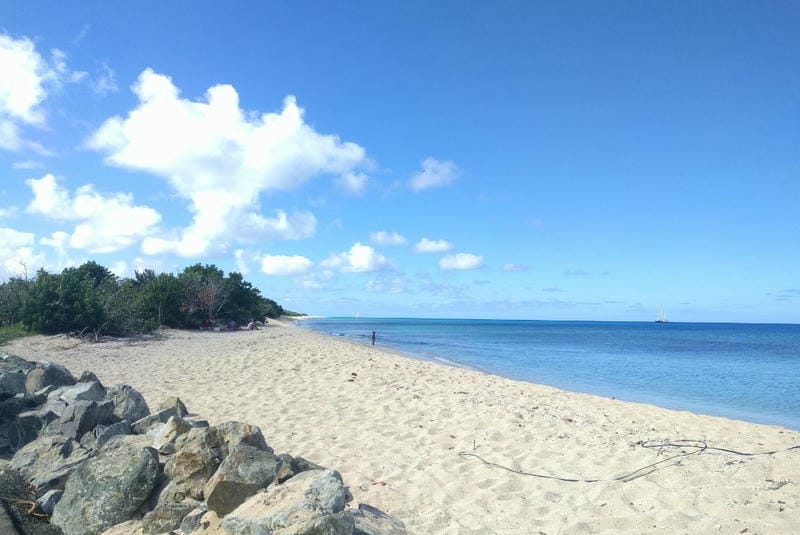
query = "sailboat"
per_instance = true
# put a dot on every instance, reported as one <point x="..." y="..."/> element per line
<point x="661" y="317"/>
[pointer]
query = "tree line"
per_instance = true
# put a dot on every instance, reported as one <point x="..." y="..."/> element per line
<point x="90" y="299"/>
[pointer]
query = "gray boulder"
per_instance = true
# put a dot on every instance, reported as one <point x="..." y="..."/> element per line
<point x="128" y="403"/>
<point x="46" y="374"/>
<point x="151" y="421"/>
<point x="11" y="384"/>
<point x="372" y="521"/>
<point x="92" y="391"/>
<point x="167" y="516"/>
<point x="11" y="363"/>
<point x="233" y="434"/>
<point x="81" y="417"/>
<point x="47" y="502"/>
<point x="47" y="461"/>
<point x="173" y="403"/>
<point x="164" y="440"/>
<point x="308" y="504"/>
<point x="243" y="472"/>
<point x="108" y="489"/>
<point x="88" y="377"/>
<point x="104" y="433"/>
<point x="193" y="519"/>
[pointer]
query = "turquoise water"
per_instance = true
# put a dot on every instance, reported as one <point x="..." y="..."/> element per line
<point x="744" y="371"/>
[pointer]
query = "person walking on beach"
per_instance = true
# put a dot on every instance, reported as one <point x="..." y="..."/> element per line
<point x="373" y="338"/>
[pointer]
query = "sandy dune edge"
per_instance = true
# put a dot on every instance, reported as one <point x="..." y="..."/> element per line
<point x="394" y="427"/>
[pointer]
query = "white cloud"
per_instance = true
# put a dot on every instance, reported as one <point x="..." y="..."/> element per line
<point x="17" y="254"/>
<point x="390" y="285"/>
<point x="28" y="164"/>
<point x="359" y="259"/>
<point x="104" y="223"/>
<point x="382" y="237"/>
<point x="221" y="159"/>
<point x="24" y="84"/>
<point x="105" y="82"/>
<point x="353" y="183"/>
<point x="318" y="280"/>
<point x="8" y="212"/>
<point x="432" y="246"/>
<point x="461" y="261"/>
<point x="285" y="265"/>
<point x="433" y="174"/>
<point x="511" y="268"/>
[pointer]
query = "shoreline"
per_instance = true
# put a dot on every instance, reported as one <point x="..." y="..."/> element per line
<point x="622" y="392"/>
<point x="394" y="425"/>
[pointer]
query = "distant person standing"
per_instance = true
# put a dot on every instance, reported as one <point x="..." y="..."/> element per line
<point x="373" y="338"/>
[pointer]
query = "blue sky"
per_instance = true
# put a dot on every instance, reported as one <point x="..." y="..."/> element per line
<point x="542" y="160"/>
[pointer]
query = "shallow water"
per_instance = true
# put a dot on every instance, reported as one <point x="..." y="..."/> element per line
<point x="745" y="371"/>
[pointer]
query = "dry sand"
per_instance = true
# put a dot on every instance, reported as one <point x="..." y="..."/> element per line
<point x="394" y="427"/>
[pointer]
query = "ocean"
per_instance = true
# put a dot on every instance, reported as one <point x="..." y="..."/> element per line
<point x="744" y="371"/>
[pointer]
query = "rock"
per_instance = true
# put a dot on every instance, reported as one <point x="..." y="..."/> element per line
<point x="128" y="403"/>
<point x="199" y="452"/>
<point x="93" y="391"/>
<point x="108" y="489"/>
<point x="10" y="363"/>
<point x="47" y="461"/>
<point x="192" y="520"/>
<point x="81" y="417"/>
<point x="46" y="374"/>
<point x="146" y="424"/>
<point x="300" y="464"/>
<point x="48" y="501"/>
<point x="309" y="503"/>
<point x="167" y="516"/>
<point x="131" y="527"/>
<point x="103" y="433"/>
<point x="236" y="433"/>
<point x="372" y="521"/>
<point x="11" y="384"/>
<point x="88" y="377"/>
<point x="173" y="403"/>
<point x="18" y="423"/>
<point x="243" y="472"/>
<point x="28" y="425"/>
<point x="166" y="436"/>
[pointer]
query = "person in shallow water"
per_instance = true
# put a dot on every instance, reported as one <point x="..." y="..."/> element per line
<point x="373" y="337"/>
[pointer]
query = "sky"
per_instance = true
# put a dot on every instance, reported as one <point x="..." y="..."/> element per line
<point x="536" y="160"/>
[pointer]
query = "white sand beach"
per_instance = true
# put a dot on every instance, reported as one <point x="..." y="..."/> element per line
<point x="394" y="427"/>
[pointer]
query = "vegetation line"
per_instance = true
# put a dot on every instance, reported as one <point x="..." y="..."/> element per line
<point x="89" y="299"/>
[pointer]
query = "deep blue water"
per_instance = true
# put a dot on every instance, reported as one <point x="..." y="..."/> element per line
<point x="744" y="371"/>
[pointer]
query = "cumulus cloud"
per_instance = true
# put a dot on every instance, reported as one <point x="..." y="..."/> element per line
<point x="461" y="261"/>
<point x="359" y="259"/>
<point x="433" y="174"/>
<point x="382" y="237"/>
<point x="221" y="159"/>
<point x="285" y="265"/>
<point x="511" y="268"/>
<point x="105" y="224"/>
<point x="16" y="252"/>
<point x="25" y="83"/>
<point x="432" y="246"/>
<point x="389" y="285"/>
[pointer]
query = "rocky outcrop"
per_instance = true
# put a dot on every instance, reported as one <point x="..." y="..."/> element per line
<point x="108" y="489"/>
<point x="97" y="461"/>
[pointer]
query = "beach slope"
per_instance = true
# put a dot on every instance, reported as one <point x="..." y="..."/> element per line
<point x="454" y="451"/>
